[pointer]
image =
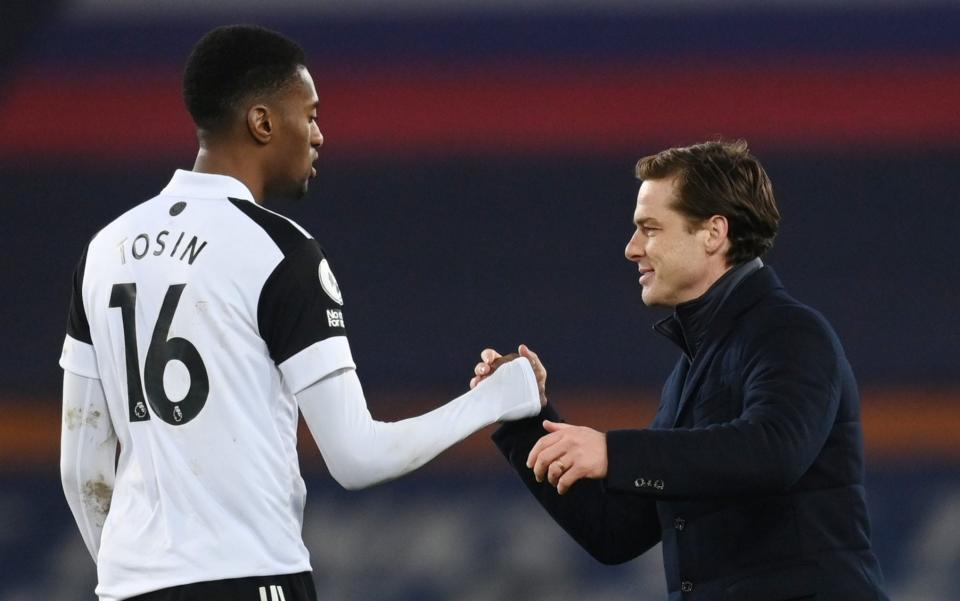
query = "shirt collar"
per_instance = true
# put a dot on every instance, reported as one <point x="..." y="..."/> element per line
<point x="190" y="184"/>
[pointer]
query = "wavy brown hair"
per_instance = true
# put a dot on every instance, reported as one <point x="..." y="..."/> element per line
<point x="720" y="178"/>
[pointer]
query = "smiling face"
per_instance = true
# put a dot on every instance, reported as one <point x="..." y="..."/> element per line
<point x="677" y="262"/>
<point x="297" y="138"/>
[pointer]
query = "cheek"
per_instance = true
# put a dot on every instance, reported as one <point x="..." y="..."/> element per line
<point x="299" y="153"/>
<point x="690" y="263"/>
<point x="672" y="259"/>
<point x="661" y="251"/>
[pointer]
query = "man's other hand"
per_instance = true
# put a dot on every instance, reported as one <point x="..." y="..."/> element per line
<point x="567" y="454"/>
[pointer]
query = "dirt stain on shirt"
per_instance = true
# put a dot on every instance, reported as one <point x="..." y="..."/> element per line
<point x="75" y="416"/>
<point x="72" y="418"/>
<point x="96" y="496"/>
<point x="93" y="418"/>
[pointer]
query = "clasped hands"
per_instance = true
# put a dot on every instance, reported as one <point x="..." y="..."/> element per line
<point x="566" y="453"/>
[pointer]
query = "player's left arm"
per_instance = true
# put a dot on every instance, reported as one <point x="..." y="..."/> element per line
<point x="360" y="451"/>
<point x="88" y="451"/>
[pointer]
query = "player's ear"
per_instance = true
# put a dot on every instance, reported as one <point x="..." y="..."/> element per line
<point x="259" y="123"/>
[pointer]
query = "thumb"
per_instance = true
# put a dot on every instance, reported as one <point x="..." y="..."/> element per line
<point x="531" y="356"/>
<point x="550" y="426"/>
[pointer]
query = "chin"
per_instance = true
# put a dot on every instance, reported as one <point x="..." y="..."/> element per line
<point x="305" y="185"/>
<point x="651" y="299"/>
<point x="296" y="193"/>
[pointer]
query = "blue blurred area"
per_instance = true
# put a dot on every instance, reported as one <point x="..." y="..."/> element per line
<point x="741" y="30"/>
<point x="438" y="260"/>
<point x="435" y="536"/>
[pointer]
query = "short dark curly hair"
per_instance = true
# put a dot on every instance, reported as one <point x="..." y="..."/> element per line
<point x="233" y="63"/>
<point x="721" y="178"/>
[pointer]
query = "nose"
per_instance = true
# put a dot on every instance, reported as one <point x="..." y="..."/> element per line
<point x="634" y="249"/>
<point x="316" y="138"/>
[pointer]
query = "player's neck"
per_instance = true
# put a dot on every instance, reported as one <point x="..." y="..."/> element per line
<point x="224" y="163"/>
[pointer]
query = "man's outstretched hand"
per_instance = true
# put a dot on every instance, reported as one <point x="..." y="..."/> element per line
<point x="490" y="360"/>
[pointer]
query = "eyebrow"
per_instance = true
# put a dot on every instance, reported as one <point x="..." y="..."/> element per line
<point x="646" y="221"/>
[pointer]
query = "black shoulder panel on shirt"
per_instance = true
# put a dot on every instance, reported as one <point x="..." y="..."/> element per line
<point x="283" y="233"/>
<point x="295" y="309"/>
<point x="77" y="326"/>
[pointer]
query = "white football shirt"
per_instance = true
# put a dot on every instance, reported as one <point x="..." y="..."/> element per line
<point x="184" y="308"/>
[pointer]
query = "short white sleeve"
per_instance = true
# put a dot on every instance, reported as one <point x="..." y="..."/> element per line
<point x="316" y="362"/>
<point x="79" y="358"/>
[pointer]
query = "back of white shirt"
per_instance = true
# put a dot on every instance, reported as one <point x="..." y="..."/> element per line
<point x="203" y="314"/>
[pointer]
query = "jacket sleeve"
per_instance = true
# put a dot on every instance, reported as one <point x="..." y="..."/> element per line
<point x="790" y="398"/>
<point x="612" y="527"/>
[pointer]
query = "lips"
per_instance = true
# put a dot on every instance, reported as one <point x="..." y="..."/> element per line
<point x="645" y="275"/>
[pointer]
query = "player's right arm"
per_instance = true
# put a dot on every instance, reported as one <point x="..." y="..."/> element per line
<point x="88" y="442"/>
<point x="88" y="451"/>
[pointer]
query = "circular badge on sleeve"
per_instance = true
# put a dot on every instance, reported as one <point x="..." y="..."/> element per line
<point x="329" y="283"/>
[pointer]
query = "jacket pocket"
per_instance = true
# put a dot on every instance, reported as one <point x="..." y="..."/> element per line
<point x="782" y="583"/>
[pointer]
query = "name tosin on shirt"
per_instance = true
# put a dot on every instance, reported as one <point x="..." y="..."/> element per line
<point x="143" y="245"/>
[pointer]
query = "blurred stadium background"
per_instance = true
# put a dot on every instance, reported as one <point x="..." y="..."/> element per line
<point x="476" y="189"/>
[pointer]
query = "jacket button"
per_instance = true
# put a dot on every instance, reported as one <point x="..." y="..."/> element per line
<point x="686" y="586"/>
<point x="679" y="523"/>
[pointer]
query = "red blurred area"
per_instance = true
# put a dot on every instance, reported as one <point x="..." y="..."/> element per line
<point x="530" y="108"/>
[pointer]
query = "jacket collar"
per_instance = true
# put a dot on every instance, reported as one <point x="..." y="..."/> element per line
<point x="692" y="322"/>
<point x="747" y="294"/>
<point x="191" y="184"/>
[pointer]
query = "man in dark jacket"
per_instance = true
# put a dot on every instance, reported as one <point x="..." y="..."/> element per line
<point x="751" y="473"/>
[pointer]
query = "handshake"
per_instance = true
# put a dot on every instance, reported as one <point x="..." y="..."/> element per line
<point x="490" y="360"/>
<point x="566" y="453"/>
